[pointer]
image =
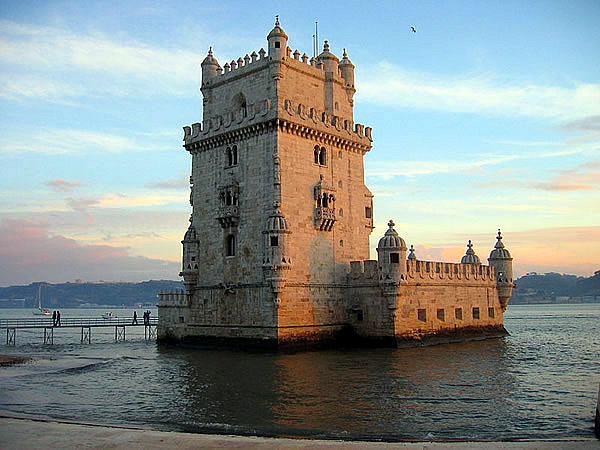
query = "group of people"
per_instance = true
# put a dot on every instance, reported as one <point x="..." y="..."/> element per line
<point x="56" y="319"/>
<point x="146" y="318"/>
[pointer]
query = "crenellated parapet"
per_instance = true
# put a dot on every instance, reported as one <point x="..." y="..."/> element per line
<point x="297" y="118"/>
<point x="418" y="271"/>
<point x="173" y="299"/>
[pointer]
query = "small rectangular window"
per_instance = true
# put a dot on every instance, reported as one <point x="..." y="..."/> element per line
<point x="458" y="313"/>
<point x="422" y="315"/>
<point x="368" y="212"/>
<point x="491" y="313"/>
<point x="394" y="258"/>
<point x="277" y="44"/>
<point x="441" y="314"/>
<point x="274" y="241"/>
<point x="475" y="313"/>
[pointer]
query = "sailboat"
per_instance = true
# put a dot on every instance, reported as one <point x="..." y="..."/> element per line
<point x="40" y="311"/>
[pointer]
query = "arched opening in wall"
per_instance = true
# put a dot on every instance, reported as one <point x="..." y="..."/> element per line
<point x="341" y="212"/>
<point x="325" y="201"/>
<point x="274" y="241"/>
<point x="230" y="245"/>
<point x="228" y="199"/>
<point x="239" y="104"/>
<point x="316" y="154"/>
<point x="229" y="155"/>
<point x="234" y="155"/>
<point x="323" y="156"/>
<point x="395" y="258"/>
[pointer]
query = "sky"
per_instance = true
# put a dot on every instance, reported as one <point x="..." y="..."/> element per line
<point x="487" y="117"/>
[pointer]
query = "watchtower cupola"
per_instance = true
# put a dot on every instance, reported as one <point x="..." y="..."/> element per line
<point x="470" y="257"/>
<point x="391" y="254"/>
<point x="347" y="71"/>
<point x="277" y="40"/>
<point x="210" y="67"/>
<point x="500" y="258"/>
<point x="328" y="59"/>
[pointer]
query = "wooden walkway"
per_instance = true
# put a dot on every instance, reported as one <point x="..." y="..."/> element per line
<point x="85" y="323"/>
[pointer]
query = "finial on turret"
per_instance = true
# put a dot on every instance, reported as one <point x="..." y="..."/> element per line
<point x="326" y="46"/>
<point x="210" y="51"/>
<point x="499" y="243"/>
<point x="277" y="20"/>
<point x="412" y="255"/>
<point x="391" y="222"/>
<point x="345" y="55"/>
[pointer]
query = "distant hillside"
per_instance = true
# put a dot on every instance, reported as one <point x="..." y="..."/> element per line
<point x="556" y="288"/>
<point x="75" y="295"/>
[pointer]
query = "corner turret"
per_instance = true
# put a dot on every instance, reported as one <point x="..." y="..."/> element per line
<point x="189" y="271"/>
<point x="329" y="60"/>
<point x="502" y="261"/>
<point x="391" y="254"/>
<point x="210" y="67"/>
<point x="275" y="254"/>
<point x="470" y="257"/>
<point x="347" y="71"/>
<point x="277" y="40"/>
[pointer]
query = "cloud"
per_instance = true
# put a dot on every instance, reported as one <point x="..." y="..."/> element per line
<point x="391" y="85"/>
<point x="28" y="252"/>
<point x="61" y="53"/>
<point x="587" y="124"/>
<point x="56" y="141"/>
<point x="63" y="185"/>
<point x="585" y="177"/>
<point x="173" y="183"/>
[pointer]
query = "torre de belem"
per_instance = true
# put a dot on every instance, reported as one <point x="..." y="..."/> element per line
<point x="277" y="250"/>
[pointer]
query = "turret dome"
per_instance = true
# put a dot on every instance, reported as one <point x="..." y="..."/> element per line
<point x="391" y="240"/>
<point x="277" y="31"/>
<point x="326" y="54"/>
<point x="210" y="60"/>
<point x="190" y="234"/>
<point x="276" y="222"/>
<point x="499" y="251"/>
<point x="470" y="257"/>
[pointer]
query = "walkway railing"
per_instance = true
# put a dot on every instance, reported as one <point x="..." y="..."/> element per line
<point x="85" y="323"/>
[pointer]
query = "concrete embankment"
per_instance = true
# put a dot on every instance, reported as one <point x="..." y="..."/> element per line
<point x="26" y="433"/>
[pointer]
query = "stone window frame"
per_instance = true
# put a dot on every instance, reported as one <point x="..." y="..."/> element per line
<point x="368" y="212"/>
<point x="231" y="156"/>
<point x="230" y="245"/>
<point x="491" y="312"/>
<point x="320" y="156"/>
<point x="441" y="314"/>
<point x="394" y="258"/>
<point x="458" y="313"/>
<point x="422" y="315"/>
<point x="476" y="313"/>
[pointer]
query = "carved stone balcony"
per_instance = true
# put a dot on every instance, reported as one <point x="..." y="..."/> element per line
<point x="324" y="218"/>
<point x="228" y="216"/>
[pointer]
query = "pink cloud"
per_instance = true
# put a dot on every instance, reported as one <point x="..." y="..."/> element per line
<point x="63" y="185"/>
<point x="28" y="252"/>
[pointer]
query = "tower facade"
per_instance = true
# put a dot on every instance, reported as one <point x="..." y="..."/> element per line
<point x="277" y="250"/>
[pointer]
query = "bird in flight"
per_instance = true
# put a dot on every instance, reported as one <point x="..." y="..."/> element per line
<point x="413" y="29"/>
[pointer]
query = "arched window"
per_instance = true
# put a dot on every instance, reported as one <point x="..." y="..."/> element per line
<point x="325" y="201"/>
<point x="228" y="199"/>
<point x="234" y="155"/>
<point x="230" y="245"/>
<point x="316" y="160"/>
<point x="323" y="156"/>
<point x="229" y="157"/>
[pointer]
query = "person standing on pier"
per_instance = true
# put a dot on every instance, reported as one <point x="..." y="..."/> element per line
<point x="58" y="318"/>
<point x="53" y="318"/>
<point x="134" y="318"/>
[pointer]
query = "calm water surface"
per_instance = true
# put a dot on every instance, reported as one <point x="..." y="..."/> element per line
<point x="540" y="382"/>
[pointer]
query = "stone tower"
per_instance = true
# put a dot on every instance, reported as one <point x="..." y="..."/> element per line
<point x="277" y="249"/>
<point x="279" y="204"/>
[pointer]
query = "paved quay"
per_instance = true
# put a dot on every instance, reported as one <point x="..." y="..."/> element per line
<point x="26" y="433"/>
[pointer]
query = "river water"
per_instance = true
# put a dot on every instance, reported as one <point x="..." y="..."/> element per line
<point x="540" y="382"/>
